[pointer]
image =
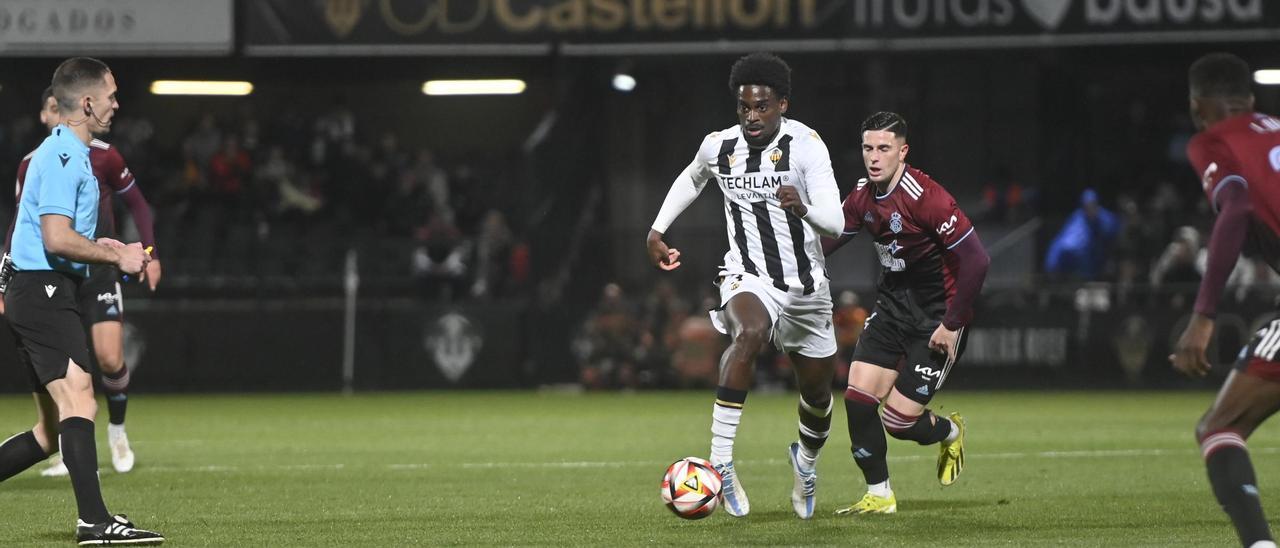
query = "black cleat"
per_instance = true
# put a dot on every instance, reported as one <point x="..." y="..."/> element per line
<point x="117" y="531"/>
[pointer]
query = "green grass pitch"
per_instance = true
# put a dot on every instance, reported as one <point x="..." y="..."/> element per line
<point x="523" y="468"/>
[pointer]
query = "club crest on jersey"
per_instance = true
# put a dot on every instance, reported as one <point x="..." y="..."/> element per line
<point x="775" y="156"/>
<point x="895" y="222"/>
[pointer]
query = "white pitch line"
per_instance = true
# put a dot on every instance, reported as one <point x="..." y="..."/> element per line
<point x="1086" y="454"/>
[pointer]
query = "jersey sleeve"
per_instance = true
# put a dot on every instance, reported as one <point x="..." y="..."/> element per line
<point x="113" y="172"/>
<point x="686" y="188"/>
<point x="943" y="216"/>
<point x="1216" y="166"/>
<point x="59" y="185"/>
<point x="820" y="185"/>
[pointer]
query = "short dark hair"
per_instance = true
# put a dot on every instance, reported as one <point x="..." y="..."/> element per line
<point x="45" y="95"/>
<point x="761" y="69"/>
<point x="1220" y="75"/>
<point x="73" y="75"/>
<point x="886" y="121"/>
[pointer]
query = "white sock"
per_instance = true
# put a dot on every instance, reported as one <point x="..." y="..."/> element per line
<point x="881" y="489"/>
<point x="808" y="457"/>
<point x="114" y="431"/>
<point x="1263" y="544"/>
<point x="724" y="428"/>
<point x="955" y="431"/>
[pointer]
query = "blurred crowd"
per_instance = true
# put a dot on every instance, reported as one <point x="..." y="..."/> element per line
<point x="1160" y="242"/>
<point x="288" y="195"/>
<point x="661" y="339"/>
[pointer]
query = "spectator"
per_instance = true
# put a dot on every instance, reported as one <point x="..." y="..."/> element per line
<point x="1079" y="251"/>
<point x="1177" y="265"/>
<point x="610" y="336"/>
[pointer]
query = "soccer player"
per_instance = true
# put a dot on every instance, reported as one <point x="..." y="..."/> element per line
<point x="932" y="269"/>
<point x="52" y="251"/>
<point x="780" y="195"/>
<point x="1235" y="154"/>
<point x="100" y="299"/>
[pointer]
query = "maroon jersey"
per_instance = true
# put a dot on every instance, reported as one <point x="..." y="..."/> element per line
<point x="114" y="178"/>
<point x="1244" y="150"/>
<point x="912" y="226"/>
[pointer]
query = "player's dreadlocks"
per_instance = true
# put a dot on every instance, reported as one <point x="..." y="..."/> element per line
<point x="761" y="69"/>
<point x="886" y="121"/>
<point x="1220" y="75"/>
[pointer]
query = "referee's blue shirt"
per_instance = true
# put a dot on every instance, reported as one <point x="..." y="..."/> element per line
<point x="60" y="181"/>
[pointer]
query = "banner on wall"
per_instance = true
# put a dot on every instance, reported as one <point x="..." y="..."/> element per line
<point x="586" y="27"/>
<point x="115" y="27"/>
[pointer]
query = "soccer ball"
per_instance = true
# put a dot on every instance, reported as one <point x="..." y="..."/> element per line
<point x="691" y="488"/>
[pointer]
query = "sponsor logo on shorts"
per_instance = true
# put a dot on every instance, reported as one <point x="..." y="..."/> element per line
<point x="109" y="298"/>
<point x="928" y="371"/>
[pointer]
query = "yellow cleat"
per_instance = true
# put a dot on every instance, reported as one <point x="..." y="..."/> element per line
<point x="951" y="455"/>
<point x="871" y="504"/>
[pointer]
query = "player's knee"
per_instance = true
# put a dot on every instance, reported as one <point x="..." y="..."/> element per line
<point x="1212" y="423"/>
<point x="860" y="405"/>
<point x="79" y="404"/>
<point x="46" y="434"/>
<point x="752" y="336"/>
<point x="902" y="426"/>
<point x="110" y="362"/>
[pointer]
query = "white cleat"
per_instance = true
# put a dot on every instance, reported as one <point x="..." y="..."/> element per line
<point x="121" y="454"/>
<point x="56" y="468"/>
<point x="731" y="491"/>
<point x="805" y="487"/>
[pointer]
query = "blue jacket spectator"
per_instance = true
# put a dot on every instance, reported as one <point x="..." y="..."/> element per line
<point x="1079" y="251"/>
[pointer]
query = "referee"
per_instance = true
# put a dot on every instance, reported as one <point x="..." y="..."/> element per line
<point x="52" y="250"/>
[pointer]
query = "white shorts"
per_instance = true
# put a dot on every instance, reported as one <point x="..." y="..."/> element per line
<point x="801" y="323"/>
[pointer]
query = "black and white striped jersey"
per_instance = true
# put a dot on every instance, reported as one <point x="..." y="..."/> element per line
<point x="764" y="239"/>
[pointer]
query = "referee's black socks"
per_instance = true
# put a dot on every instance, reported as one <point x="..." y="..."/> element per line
<point x="19" y="453"/>
<point x="80" y="454"/>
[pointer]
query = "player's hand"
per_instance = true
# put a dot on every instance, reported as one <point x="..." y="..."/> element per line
<point x="1" y="304"/>
<point x="151" y="274"/>
<point x="666" y="258"/>
<point x="1189" y="352"/>
<point x="131" y="259"/>
<point x="789" y="199"/>
<point x="114" y="244"/>
<point x="943" y="341"/>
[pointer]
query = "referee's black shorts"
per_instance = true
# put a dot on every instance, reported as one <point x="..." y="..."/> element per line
<point x="41" y="308"/>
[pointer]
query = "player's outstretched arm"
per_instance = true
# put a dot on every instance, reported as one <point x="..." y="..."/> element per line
<point x="684" y="190"/>
<point x="1225" y="242"/>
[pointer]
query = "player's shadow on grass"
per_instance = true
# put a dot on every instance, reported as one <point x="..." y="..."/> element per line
<point x="930" y="505"/>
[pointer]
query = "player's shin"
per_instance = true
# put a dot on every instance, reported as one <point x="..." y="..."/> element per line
<point x="866" y="433"/>
<point x="925" y="429"/>
<point x="815" y="426"/>
<point x="116" y="388"/>
<point x="19" y="453"/>
<point x="1234" y="484"/>
<point x="725" y="416"/>
<point x="80" y="453"/>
